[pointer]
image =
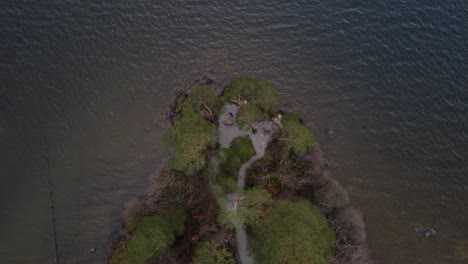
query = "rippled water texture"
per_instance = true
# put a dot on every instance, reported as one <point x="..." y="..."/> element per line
<point x="84" y="85"/>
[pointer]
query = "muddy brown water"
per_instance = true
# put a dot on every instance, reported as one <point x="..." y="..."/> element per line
<point x="84" y="87"/>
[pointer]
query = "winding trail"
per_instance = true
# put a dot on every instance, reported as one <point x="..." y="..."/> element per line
<point x="260" y="139"/>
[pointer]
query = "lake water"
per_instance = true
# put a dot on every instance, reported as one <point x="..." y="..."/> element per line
<point x="85" y="84"/>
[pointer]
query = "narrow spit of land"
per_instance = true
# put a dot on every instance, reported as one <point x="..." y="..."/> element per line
<point x="226" y="133"/>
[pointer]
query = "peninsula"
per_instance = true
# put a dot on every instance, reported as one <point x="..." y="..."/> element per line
<point x="246" y="183"/>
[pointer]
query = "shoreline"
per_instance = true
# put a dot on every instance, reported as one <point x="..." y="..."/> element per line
<point x="320" y="188"/>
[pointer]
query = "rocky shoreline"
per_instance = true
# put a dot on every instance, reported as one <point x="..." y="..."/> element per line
<point x="197" y="181"/>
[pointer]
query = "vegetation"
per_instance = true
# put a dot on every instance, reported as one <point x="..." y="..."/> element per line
<point x="231" y="159"/>
<point x="210" y="253"/>
<point x="154" y="234"/>
<point x="282" y="225"/>
<point x="300" y="139"/>
<point x="259" y="92"/>
<point x="203" y="100"/>
<point x="293" y="233"/>
<point x="188" y="138"/>
<point x="247" y="114"/>
<point x="253" y="205"/>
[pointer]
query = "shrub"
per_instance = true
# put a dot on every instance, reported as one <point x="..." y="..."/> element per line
<point x="188" y="138"/>
<point x="243" y="148"/>
<point x="350" y="227"/>
<point x="294" y="233"/>
<point x="208" y="253"/>
<point x="154" y="234"/>
<point x="256" y="201"/>
<point x="332" y="195"/>
<point x="300" y="139"/>
<point x="259" y="92"/>
<point x="202" y="98"/>
<point x="231" y="159"/>
<point x="247" y="114"/>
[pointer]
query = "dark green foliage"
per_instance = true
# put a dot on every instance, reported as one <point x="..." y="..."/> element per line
<point x="253" y="205"/>
<point x="154" y="234"/>
<point x="247" y="114"/>
<point x="293" y="233"/>
<point x="208" y="253"/>
<point x="228" y="185"/>
<point x="231" y="159"/>
<point x="243" y="148"/>
<point x="201" y="98"/>
<point x="300" y="139"/>
<point x="266" y="97"/>
<point x="259" y="92"/>
<point x="188" y="138"/>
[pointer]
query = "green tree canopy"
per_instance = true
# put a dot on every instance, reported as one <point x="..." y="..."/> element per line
<point x="292" y="233"/>
<point x="208" y="253"/>
<point x="154" y="234"/>
<point x="300" y="139"/>
<point x="247" y="114"/>
<point x="202" y="98"/>
<point x="254" y="204"/>
<point x="188" y="138"/>
<point x="231" y="159"/>
<point x="259" y="92"/>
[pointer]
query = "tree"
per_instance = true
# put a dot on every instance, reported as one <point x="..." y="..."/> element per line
<point x="266" y="97"/>
<point x="300" y="139"/>
<point x="188" y="138"/>
<point x="203" y="99"/>
<point x="293" y="233"/>
<point x="253" y="205"/>
<point x="247" y="114"/>
<point x="208" y="253"/>
<point x="154" y="234"/>
<point x="259" y="92"/>
<point x="231" y="159"/>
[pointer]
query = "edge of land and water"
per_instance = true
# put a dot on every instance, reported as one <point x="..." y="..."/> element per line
<point x="246" y="182"/>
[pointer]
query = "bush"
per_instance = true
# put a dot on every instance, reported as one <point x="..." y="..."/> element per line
<point x="231" y="159"/>
<point x="154" y="234"/>
<point x="201" y="98"/>
<point x="294" y="233"/>
<point x="300" y="139"/>
<point x="208" y="253"/>
<point x="332" y="195"/>
<point x="188" y="138"/>
<point x="350" y="226"/>
<point x="243" y="148"/>
<point x="259" y="92"/>
<point x="247" y="114"/>
<point x="256" y="201"/>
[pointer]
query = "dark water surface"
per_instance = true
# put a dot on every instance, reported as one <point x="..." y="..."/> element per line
<point x="84" y="85"/>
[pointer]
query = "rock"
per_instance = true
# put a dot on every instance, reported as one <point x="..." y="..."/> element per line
<point x="92" y="250"/>
<point x="430" y="232"/>
<point x="228" y="121"/>
<point x="427" y="233"/>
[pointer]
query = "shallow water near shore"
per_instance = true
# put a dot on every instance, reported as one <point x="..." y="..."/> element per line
<point x="85" y="87"/>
